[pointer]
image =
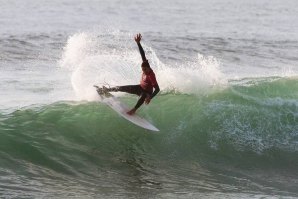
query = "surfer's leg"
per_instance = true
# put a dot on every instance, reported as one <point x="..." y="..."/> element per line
<point x="132" y="89"/>
<point x="141" y="100"/>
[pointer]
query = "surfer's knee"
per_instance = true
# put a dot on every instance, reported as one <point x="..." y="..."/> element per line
<point x="143" y="96"/>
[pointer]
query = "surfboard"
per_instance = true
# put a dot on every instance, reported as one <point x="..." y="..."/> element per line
<point x="122" y="109"/>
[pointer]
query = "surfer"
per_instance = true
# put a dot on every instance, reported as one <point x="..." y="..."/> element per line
<point x="148" y="81"/>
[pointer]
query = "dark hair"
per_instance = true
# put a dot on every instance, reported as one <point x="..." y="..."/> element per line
<point x="145" y="64"/>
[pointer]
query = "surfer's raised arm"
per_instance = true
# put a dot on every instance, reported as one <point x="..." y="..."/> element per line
<point x="145" y="89"/>
<point x="138" y="38"/>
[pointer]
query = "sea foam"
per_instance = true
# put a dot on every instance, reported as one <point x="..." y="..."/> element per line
<point x="113" y="58"/>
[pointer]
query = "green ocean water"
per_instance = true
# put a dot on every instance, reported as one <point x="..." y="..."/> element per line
<point x="227" y="111"/>
<point x="239" y="139"/>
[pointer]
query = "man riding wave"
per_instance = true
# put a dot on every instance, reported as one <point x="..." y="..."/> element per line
<point x="148" y="82"/>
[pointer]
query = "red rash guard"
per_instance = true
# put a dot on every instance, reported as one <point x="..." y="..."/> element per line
<point x="148" y="81"/>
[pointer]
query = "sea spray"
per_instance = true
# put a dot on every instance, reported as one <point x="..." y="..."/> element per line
<point x="194" y="77"/>
<point x="114" y="59"/>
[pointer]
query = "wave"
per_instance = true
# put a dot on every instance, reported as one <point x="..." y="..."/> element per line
<point x="243" y="134"/>
<point x="245" y="124"/>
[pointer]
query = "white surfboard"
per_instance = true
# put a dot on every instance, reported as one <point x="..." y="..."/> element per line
<point x="122" y="110"/>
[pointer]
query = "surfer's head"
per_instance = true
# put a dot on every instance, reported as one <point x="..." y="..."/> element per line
<point x="146" y="67"/>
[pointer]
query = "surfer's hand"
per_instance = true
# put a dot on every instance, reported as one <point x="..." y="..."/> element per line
<point x="147" y="100"/>
<point x="132" y="111"/>
<point x="138" y="38"/>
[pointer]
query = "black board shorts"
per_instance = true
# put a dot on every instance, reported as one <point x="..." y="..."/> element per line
<point x="133" y="89"/>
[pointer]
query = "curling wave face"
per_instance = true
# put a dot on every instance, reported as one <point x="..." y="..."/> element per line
<point x="248" y="126"/>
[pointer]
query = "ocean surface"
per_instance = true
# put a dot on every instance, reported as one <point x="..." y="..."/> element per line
<point x="227" y="110"/>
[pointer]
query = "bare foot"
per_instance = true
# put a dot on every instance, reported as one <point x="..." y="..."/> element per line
<point x="132" y="111"/>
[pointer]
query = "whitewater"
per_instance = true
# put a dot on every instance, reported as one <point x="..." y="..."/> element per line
<point x="227" y="110"/>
